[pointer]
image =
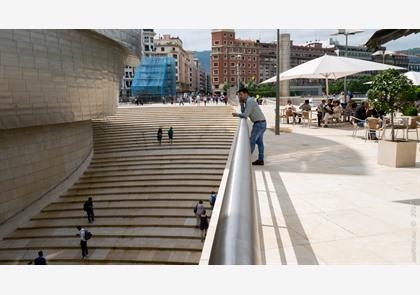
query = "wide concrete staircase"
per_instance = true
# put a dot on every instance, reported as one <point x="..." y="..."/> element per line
<point x="143" y="192"/>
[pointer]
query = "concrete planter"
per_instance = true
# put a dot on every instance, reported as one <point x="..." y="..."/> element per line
<point x="397" y="154"/>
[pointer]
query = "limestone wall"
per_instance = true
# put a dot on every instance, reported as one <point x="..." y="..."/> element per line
<point x="57" y="76"/>
<point x="35" y="159"/>
<point x="52" y="83"/>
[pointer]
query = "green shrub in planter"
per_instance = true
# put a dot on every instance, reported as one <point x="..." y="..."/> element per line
<point x="410" y="110"/>
<point x="391" y="92"/>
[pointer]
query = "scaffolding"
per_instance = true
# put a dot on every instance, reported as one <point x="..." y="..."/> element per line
<point x="155" y="78"/>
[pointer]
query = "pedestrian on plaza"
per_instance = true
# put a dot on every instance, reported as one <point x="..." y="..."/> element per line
<point x="171" y="135"/>
<point x="163" y="100"/>
<point x="198" y="209"/>
<point x="204" y="224"/>
<point x="88" y="207"/>
<point x="198" y="99"/>
<point x="225" y="100"/>
<point x="250" y="108"/>
<point x="205" y="100"/>
<point x="159" y="135"/>
<point x="84" y="236"/>
<point x="212" y="199"/>
<point x="180" y="100"/>
<point x="40" y="260"/>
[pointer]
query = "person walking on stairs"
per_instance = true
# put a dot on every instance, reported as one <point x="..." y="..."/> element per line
<point x="171" y="134"/>
<point x="84" y="236"/>
<point x="198" y="209"/>
<point x="204" y="224"/>
<point x="250" y="108"/>
<point x="40" y="260"/>
<point x="212" y="199"/>
<point x="159" y="135"/>
<point x="88" y="207"/>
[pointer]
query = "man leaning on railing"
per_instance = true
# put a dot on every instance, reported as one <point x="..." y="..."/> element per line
<point x="251" y="109"/>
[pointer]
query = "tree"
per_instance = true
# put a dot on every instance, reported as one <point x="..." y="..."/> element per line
<point x="391" y="92"/>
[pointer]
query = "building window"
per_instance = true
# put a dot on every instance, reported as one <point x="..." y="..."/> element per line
<point x="216" y="42"/>
<point x="232" y="64"/>
<point x="254" y="58"/>
<point x="232" y="79"/>
<point x="225" y="64"/>
<point x="215" y="79"/>
<point x="215" y="57"/>
<point x="225" y="72"/>
<point x="231" y="43"/>
<point x="215" y="64"/>
<point x="162" y="49"/>
<point x="175" y="56"/>
<point x="215" y="72"/>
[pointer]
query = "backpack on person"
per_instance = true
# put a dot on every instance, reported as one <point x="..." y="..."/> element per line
<point x="85" y="206"/>
<point x="88" y="235"/>
<point x="195" y="208"/>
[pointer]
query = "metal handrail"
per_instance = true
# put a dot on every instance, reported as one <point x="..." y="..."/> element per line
<point x="236" y="239"/>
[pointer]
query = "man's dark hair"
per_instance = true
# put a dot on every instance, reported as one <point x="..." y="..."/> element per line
<point x="79" y="227"/>
<point x="90" y="198"/>
<point x="306" y="101"/>
<point x="244" y="90"/>
<point x="40" y="253"/>
<point x="200" y="202"/>
<point x="213" y="192"/>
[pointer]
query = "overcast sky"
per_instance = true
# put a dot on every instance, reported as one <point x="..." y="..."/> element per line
<point x="201" y="39"/>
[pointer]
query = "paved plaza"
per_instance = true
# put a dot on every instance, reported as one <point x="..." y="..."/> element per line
<point x="323" y="199"/>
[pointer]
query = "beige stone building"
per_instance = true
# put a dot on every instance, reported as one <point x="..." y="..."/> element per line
<point x="186" y="67"/>
<point x="52" y="84"/>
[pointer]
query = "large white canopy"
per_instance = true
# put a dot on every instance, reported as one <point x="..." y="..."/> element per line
<point x="413" y="76"/>
<point x="330" y="67"/>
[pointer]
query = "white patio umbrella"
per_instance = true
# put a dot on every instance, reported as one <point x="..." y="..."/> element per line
<point x="330" y="67"/>
<point x="413" y="76"/>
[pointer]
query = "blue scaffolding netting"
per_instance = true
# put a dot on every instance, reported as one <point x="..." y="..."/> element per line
<point x="155" y="77"/>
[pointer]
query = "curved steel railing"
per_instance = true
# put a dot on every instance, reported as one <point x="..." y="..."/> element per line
<point x="234" y="238"/>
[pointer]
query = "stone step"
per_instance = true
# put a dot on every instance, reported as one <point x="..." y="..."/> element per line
<point x="152" y="172"/>
<point x="170" y="196"/>
<point x="117" y="179"/>
<point x="102" y="256"/>
<point x="115" y="212"/>
<point x="158" y="163"/>
<point x="114" y="232"/>
<point x="143" y="243"/>
<point x="168" y="147"/>
<point x="145" y="183"/>
<point x="152" y="222"/>
<point x="160" y="167"/>
<point x="149" y="204"/>
<point x="152" y="141"/>
<point x="136" y="191"/>
<point x="158" y="157"/>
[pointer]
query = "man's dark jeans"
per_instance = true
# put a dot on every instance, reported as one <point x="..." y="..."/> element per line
<point x="83" y="245"/>
<point x="90" y="215"/>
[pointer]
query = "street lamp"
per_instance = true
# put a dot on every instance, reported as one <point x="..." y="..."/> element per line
<point x="238" y="58"/>
<point x="346" y="33"/>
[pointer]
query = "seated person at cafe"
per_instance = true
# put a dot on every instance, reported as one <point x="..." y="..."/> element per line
<point x="337" y="112"/>
<point x="304" y="107"/>
<point x="290" y="110"/>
